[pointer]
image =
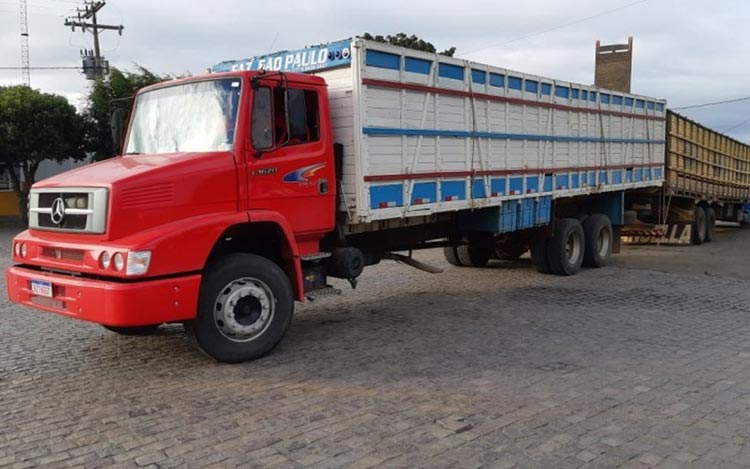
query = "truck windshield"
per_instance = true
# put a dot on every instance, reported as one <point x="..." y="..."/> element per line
<point x="199" y="116"/>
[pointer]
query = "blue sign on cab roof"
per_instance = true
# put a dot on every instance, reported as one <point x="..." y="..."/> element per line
<point x="309" y="59"/>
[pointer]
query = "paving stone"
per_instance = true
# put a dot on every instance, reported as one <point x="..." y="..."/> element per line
<point x="496" y="367"/>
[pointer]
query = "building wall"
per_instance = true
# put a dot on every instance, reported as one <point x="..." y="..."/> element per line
<point x="47" y="168"/>
<point x="614" y="64"/>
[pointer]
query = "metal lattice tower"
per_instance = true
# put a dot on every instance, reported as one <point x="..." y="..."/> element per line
<point x="25" y="75"/>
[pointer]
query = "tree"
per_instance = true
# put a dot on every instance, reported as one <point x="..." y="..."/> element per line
<point x="411" y="42"/>
<point x="114" y="91"/>
<point x="36" y="126"/>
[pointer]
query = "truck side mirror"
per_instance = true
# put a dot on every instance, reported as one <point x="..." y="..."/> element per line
<point x="117" y="126"/>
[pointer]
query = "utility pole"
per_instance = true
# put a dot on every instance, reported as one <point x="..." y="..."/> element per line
<point x="94" y="65"/>
<point x="25" y="74"/>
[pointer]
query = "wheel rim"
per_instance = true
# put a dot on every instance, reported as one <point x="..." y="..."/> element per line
<point x="572" y="249"/>
<point x="244" y="309"/>
<point x="604" y="241"/>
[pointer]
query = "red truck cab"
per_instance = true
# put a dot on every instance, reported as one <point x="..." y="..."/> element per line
<point x="226" y="182"/>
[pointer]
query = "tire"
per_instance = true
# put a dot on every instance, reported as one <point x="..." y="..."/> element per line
<point x="566" y="248"/>
<point x="472" y="255"/>
<point x="710" y="224"/>
<point x="599" y="238"/>
<point x="451" y="256"/>
<point x="133" y="330"/>
<point x="539" y="256"/>
<point x="698" y="235"/>
<point x="261" y="301"/>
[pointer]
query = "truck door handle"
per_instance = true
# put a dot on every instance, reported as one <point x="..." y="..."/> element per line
<point x="323" y="186"/>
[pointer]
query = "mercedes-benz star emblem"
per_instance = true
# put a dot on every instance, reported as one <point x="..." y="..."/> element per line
<point x="58" y="211"/>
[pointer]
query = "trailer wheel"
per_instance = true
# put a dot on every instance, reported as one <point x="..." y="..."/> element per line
<point x="133" y="330"/>
<point x="539" y="256"/>
<point x="710" y="224"/>
<point x="245" y="307"/>
<point x="452" y="256"/>
<point x="566" y="248"/>
<point x="699" y="226"/>
<point x="598" y="237"/>
<point x="474" y="255"/>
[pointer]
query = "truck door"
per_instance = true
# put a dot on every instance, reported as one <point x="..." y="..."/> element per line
<point x="290" y="168"/>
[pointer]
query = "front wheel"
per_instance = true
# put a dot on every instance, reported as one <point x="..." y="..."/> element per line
<point x="245" y="307"/>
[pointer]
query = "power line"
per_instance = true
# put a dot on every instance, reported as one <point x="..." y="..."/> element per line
<point x="715" y="103"/>
<point x="738" y="125"/>
<point x="555" y="28"/>
<point x="40" y="68"/>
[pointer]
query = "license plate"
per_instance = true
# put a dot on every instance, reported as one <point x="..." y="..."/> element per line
<point x="41" y="288"/>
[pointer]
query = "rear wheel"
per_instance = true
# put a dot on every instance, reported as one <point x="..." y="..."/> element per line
<point x="699" y="226"/>
<point x="133" y="330"/>
<point x="598" y="237"/>
<point x="474" y="255"/>
<point x="451" y="256"/>
<point x="710" y="224"/>
<point x="245" y="307"/>
<point x="566" y="247"/>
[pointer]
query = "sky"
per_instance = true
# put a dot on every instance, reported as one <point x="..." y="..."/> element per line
<point x="685" y="51"/>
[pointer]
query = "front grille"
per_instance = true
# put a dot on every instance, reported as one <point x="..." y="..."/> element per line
<point x="81" y="210"/>
<point x="72" y="255"/>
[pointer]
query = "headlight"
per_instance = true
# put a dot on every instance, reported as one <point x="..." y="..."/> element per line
<point x="119" y="261"/>
<point x="138" y="262"/>
<point x="23" y="250"/>
<point x="17" y="249"/>
<point x="104" y="260"/>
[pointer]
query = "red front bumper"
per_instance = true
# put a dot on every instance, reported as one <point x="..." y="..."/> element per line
<point x="139" y="303"/>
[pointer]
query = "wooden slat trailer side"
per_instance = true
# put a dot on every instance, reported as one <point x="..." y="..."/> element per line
<point x="707" y="179"/>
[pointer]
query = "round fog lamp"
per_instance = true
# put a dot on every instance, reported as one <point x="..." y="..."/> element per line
<point x="104" y="260"/>
<point x="119" y="261"/>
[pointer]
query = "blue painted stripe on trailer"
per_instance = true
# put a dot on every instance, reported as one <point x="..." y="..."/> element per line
<point x="426" y="191"/>
<point x="414" y="65"/>
<point x="516" y="185"/>
<point x="657" y="172"/>
<point x="456" y="190"/>
<point x="453" y="72"/>
<point x="575" y="180"/>
<point x="561" y="181"/>
<point x="478" y="76"/>
<point x="617" y="177"/>
<point x="603" y="179"/>
<point x="477" y="189"/>
<point x="497" y="135"/>
<point x="497" y="187"/>
<point x="532" y="184"/>
<point x="515" y="83"/>
<point x="547" y="183"/>
<point x="497" y="80"/>
<point x="392" y="195"/>
<point x="375" y="58"/>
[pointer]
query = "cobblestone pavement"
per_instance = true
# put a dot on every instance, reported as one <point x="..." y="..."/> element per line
<point x="499" y="367"/>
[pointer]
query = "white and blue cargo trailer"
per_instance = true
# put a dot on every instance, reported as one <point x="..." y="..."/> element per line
<point x="488" y="158"/>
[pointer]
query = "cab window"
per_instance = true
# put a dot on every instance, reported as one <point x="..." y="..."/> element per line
<point x="302" y="124"/>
